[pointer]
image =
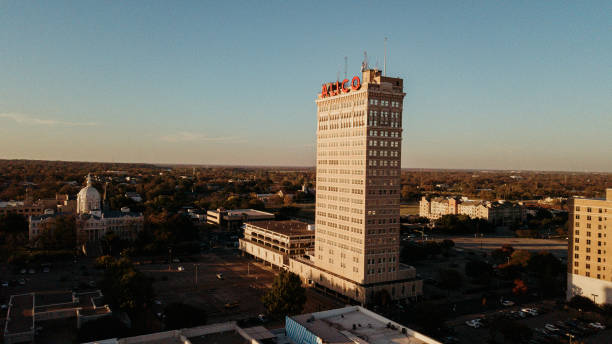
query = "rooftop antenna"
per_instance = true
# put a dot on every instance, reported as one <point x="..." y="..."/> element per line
<point x="364" y="64"/>
<point x="385" y="63"/>
<point x="345" y="65"/>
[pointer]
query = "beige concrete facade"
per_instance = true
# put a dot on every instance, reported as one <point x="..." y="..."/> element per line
<point x="589" y="262"/>
<point x="275" y="241"/>
<point x="499" y="213"/>
<point x="359" y="137"/>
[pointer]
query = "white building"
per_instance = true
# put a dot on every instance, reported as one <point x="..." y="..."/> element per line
<point x="499" y="213"/>
<point x="92" y="222"/>
<point x="350" y="325"/>
<point x="273" y="242"/>
<point x="359" y="133"/>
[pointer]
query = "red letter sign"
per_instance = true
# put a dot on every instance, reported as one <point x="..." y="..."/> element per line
<point x="324" y="92"/>
<point x="344" y="89"/>
<point x="355" y="83"/>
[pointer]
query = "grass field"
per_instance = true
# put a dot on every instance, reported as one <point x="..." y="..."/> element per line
<point x="409" y="209"/>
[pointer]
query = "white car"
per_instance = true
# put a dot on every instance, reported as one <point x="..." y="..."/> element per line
<point x="508" y="303"/>
<point x="474" y="323"/>
<point x="180" y="268"/>
<point x="597" y="325"/>
<point x="530" y="311"/>
<point x="551" y="327"/>
<point x="5" y="283"/>
<point x="3" y="307"/>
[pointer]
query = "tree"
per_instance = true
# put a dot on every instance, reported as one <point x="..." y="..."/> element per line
<point x="501" y="255"/>
<point x="125" y="287"/>
<point x="583" y="303"/>
<point x="450" y="278"/>
<point x="479" y="271"/>
<point x="287" y="296"/>
<point x="520" y="258"/>
<point x="429" y="316"/>
<point x="519" y="287"/>
<point x="180" y="315"/>
<point x="58" y="232"/>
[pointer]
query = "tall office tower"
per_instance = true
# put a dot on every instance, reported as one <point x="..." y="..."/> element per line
<point x="589" y="270"/>
<point x="358" y="178"/>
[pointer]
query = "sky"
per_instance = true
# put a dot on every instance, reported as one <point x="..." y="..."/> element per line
<point x="518" y="85"/>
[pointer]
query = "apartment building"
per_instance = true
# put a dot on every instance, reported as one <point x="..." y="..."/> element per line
<point x="589" y="271"/>
<point x="500" y="213"/>
<point x="274" y="242"/>
<point x="359" y="133"/>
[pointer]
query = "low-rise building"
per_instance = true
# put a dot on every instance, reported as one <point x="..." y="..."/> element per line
<point x="226" y="333"/>
<point x="234" y="219"/>
<point x="25" y="311"/>
<point x="350" y="325"/>
<point x="589" y="270"/>
<point x="61" y="203"/>
<point x="500" y="213"/>
<point x="275" y="241"/>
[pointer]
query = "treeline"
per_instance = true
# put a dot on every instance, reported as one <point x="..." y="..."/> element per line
<point x="491" y="185"/>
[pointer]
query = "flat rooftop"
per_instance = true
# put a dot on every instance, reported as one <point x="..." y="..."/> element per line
<point x="288" y="227"/>
<point x="247" y="212"/>
<point x="355" y="324"/>
<point x="228" y="337"/>
<point x="20" y="314"/>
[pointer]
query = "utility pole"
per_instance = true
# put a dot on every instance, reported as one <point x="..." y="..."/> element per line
<point x="385" y="62"/>
<point x="197" y="267"/>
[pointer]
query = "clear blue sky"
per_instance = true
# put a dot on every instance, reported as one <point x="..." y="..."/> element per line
<point x="491" y="84"/>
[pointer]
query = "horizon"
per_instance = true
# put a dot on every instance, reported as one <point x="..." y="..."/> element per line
<point x="489" y="86"/>
<point x="420" y="169"/>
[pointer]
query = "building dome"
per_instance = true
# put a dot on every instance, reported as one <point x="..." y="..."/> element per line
<point x="88" y="198"/>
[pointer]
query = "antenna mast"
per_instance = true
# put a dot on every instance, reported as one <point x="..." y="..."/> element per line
<point x="364" y="64"/>
<point x="385" y="63"/>
<point x="345" y="65"/>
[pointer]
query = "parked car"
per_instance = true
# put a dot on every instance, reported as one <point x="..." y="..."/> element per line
<point x="508" y="303"/>
<point x="475" y="323"/>
<point x="46" y="270"/>
<point x="21" y="282"/>
<point x="22" y="271"/>
<point x="231" y="304"/>
<point x="3" y="307"/>
<point x="31" y="271"/>
<point x="5" y="283"/>
<point x="176" y="260"/>
<point x="551" y="327"/>
<point x="597" y="325"/>
<point x="530" y="311"/>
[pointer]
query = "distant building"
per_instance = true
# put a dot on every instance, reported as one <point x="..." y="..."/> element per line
<point x="61" y="203"/>
<point x="93" y="222"/>
<point x="25" y="311"/>
<point x="226" y="333"/>
<point x="275" y="241"/>
<point x="349" y="325"/>
<point x="134" y="196"/>
<point x="589" y="271"/>
<point x="499" y="213"/>
<point x="234" y="219"/>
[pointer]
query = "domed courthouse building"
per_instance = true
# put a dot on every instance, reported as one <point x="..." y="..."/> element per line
<point x="92" y="221"/>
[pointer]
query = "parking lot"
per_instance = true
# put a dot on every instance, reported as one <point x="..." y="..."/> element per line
<point x="549" y="325"/>
<point x="237" y="295"/>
